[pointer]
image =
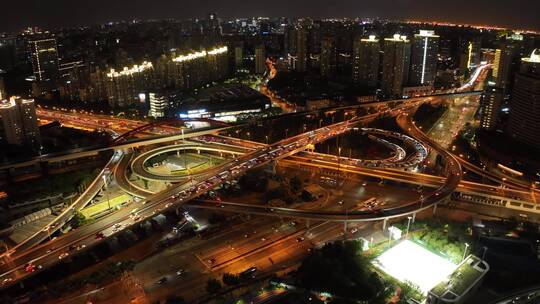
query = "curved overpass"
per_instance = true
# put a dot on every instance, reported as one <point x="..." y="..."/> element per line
<point x="441" y="194"/>
<point x="143" y="128"/>
<point x="138" y="165"/>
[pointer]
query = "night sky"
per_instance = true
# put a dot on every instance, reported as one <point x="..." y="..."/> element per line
<point x="54" y="13"/>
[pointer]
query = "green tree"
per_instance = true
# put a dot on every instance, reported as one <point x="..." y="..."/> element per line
<point x="230" y="279"/>
<point x="78" y="220"/>
<point x="213" y="286"/>
<point x="296" y="184"/>
<point x="340" y="269"/>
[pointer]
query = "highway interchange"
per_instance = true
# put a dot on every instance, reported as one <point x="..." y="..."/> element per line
<point x="248" y="156"/>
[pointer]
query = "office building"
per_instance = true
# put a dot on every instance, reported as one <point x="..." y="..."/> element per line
<point x="19" y="120"/>
<point x="222" y="102"/>
<point x="524" y="119"/>
<point x="425" y="48"/>
<point x="125" y="86"/>
<point x="474" y="52"/>
<point x="8" y="57"/>
<point x="366" y="57"/>
<point x="328" y="59"/>
<point x="301" y="49"/>
<point x="44" y="57"/>
<point x="260" y="59"/>
<point x="507" y="62"/>
<point x="490" y="105"/>
<point x="396" y="62"/>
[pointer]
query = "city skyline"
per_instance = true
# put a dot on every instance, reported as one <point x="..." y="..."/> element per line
<point x="69" y="14"/>
<point x="269" y="160"/>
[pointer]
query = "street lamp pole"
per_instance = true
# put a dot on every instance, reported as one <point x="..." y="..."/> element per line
<point x="465" y="252"/>
<point x="409" y="218"/>
<point x="484" y="253"/>
<point x="185" y="155"/>
<point x="106" y="192"/>
<point x="339" y="165"/>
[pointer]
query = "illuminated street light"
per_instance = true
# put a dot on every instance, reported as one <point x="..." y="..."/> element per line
<point x="409" y="218"/>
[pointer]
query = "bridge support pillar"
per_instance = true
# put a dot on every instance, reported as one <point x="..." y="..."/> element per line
<point x="434" y="209"/>
<point x="385" y="222"/>
<point x="308" y="224"/>
<point x="345" y="227"/>
<point x="413" y="217"/>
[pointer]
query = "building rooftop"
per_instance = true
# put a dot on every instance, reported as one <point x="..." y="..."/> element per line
<point x="426" y="33"/>
<point x="465" y="277"/>
<point x="534" y="58"/>
<point x="372" y="38"/>
<point x="397" y="38"/>
<point x="130" y="70"/>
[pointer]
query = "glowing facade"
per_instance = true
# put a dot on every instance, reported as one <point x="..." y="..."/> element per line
<point x="44" y="55"/>
<point x="491" y="102"/>
<point x="424" y="58"/>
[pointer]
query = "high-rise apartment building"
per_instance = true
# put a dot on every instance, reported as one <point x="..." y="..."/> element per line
<point x="238" y="56"/>
<point x="212" y="28"/>
<point x="366" y="57"/>
<point x="159" y="104"/>
<point x="44" y="57"/>
<point x="524" y="119"/>
<point x="124" y="87"/>
<point x="328" y="58"/>
<point x="19" y="120"/>
<point x="396" y="62"/>
<point x="425" y="48"/>
<point x="490" y="105"/>
<point x="188" y="70"/>
<point x="260" y="59"/>
<point x="2" y="88"/>
<point x="301" y="49"/>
